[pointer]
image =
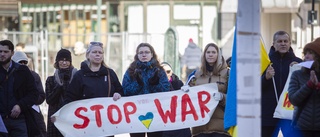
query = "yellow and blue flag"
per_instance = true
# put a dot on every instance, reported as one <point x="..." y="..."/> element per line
<point x="230" y="116"/>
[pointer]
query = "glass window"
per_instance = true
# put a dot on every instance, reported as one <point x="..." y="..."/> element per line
<point x="135" y="19"/>
<point x="158" y="22"/>
<point x="182" y="11"/>
<point x="209" y="24"/>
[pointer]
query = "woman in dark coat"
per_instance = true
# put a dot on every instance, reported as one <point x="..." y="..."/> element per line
<point x="304" y="93"/>
<point x="56" y="87"/>
<point x="95" y="78"/>
<point x="176" y="84"/>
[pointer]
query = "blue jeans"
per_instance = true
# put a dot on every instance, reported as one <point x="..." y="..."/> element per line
<point x="15" y="127"/>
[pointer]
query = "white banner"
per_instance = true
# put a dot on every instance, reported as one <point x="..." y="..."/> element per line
<point x="100" y="117"/>
<point x="284" y="109"/>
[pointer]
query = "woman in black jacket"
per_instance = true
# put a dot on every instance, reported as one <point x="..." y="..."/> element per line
<point x="176" y="84"/>
<point x="56" y="87"/>
<point x="95" y="78"/>
<point x="304" y="93"/>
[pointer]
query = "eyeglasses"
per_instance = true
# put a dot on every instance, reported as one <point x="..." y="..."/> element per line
<point x="145" y="53"/>
<point x="64" y="61"/>
<point x="96" y="43"/>
<point x="23" y="62"/>
<point x="168" y="71"/>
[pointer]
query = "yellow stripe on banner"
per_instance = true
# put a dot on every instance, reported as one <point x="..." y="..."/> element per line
<point x="233" y="131"/>
<point x="264" y="61"/>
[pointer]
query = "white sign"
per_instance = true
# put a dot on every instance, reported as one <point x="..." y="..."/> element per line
<point x="142" y="113"/>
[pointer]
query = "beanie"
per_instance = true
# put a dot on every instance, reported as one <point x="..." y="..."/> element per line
<point x="63" y="54"/>
<point x="166" y="63"/>
<point x="19" y="56"/>
<point x="314" y="46"/>
<point x="190" y="40"/>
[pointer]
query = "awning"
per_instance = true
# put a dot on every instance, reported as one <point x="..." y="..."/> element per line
<point x="268" y="6"/>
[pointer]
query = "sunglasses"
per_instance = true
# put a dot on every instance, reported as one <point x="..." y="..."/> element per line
<point x="168" y="71"/>
<point x="23" y="62"/>
<point x="96" y="43"/>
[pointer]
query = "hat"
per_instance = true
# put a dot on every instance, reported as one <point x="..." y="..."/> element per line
<point x="166" y="63"/>
<point x="19" y="56"/>
<point x="314" y="46"/>
<point x="63" y="54"/>
<point x="191" y="40"/>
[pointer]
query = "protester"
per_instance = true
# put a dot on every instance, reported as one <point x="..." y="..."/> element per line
<point x="56" y="87"/>
<point x="18" y="93"/>
<point x="213" y="69"/>
<point x="281" y="56"/>
<point x="191" y="58"/>
<point x="144" y="76"/>
<point x="95" y="78"/>
<point x="22" y="59"/>
<point x="176" y="84"/>
<point x="21" y="47"/>
<point x="304" y="93"/>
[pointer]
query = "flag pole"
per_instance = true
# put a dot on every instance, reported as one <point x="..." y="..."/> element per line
<point x="275" y="89"/>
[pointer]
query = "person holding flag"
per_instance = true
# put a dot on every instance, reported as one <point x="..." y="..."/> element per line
<point x="273" y="81"/>
<point x="213" y="69"/>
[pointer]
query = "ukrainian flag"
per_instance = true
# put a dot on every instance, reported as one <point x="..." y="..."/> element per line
<point x="230" y="116"/>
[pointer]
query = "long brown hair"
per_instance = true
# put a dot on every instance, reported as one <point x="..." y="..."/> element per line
<point x="133" y="65"/>
<point x="217" y="66"/>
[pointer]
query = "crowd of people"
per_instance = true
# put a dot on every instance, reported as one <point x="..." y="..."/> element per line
<point x="21" y="91"/>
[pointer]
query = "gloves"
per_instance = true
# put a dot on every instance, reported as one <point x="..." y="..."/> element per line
<point x="116" y="96"/>
<point x="155" y="79"/>
<point x="137" y="75"/>
<point x="185" y="88"/>
<point x="217" y="96"/>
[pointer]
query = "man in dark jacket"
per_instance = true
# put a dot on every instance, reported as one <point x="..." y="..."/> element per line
<point x="17" y="94"/>
<point x="281" y="56"/>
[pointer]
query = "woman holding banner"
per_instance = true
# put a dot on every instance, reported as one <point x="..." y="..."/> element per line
<point x="144" y="76"/>
<point x="56" y="87"/>
<point x="95" y="78"/>
<point x="213" y="69"/>
<point x="304" y="93"/>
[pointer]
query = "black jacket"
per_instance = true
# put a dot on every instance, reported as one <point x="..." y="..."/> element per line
<point x="281" y="67"/>
<point x="87" y="84"/>
<point x="24" y="91"/>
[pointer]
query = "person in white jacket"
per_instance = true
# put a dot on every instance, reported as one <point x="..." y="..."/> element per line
<point x="191" y="58"/>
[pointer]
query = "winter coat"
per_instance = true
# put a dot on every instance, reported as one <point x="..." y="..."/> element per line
<point x="217" y="119"/>
<point x="306" y="101"/>
<point x="87" y="84"/>
<point x="280" y="65"/>
<point x="42" y="96"/>
<point x="24" y="92"/>
<point x="56" y="87"/>
<point x="192" y="56"/>
<point x="176" y="84"/>
<point x="146" y="71"/>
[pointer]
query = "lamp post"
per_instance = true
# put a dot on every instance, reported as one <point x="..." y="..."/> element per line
<point x="312" y="18"/>
<point x="98" y="29"/>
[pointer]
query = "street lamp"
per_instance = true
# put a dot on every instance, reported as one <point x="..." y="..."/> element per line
<point x="312" y="17"/>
